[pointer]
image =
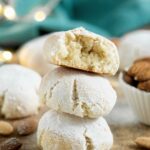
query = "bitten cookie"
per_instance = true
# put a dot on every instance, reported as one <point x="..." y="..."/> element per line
<point x="18" y="91"/>
<point x="83" y="50"/>
<point x="60" y="131"/>
<point x="78" y="93"/>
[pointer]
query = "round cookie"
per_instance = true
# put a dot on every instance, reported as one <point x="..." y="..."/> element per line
<point x="60" y="131"/>
<point x="31" y="56"/>
<point x="18" y="91"/>
<point x="83" y="50"/>
<point x="78" y="93"/>
<point x="133" y="46"/>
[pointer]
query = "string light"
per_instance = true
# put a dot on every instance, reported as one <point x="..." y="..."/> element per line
<point x="9" y="13"/>
<point x="1" y="10"/>
<point x="5" y="56"/>
<point x="38" y="13"/>
<point x="40" y="16"/>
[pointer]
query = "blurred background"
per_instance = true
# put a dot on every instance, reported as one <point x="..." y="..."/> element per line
<point x="22" y="21"/>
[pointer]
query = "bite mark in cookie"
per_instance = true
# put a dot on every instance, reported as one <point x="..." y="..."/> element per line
<point x="82" y="50"/>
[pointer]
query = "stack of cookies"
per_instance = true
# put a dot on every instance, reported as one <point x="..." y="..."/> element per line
<point x="77" y="99"/>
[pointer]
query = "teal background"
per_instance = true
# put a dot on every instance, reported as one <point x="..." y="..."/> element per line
<point x="111" y="18"/>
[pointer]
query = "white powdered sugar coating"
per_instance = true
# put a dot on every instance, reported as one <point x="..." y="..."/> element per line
<point x="66" y="132"/>
<point x="31" y="55"/>
<point x="18" y="91"/>
<point x="78" y="93"/>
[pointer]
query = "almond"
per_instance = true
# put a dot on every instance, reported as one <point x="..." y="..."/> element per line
<point x="143" y="142"/>
<point x="138" y="67"/>
<point x="128" y="78"/>
<point x="143" y="59"/>
<point x="144" y="75"/>
<point x="27" y="126"/>
<point x="11" y="144"/>
<point x="6" y="128"/>
<point x="144" y="86"/>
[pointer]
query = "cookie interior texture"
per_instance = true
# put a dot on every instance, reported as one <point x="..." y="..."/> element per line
<point x="87" y="51"/>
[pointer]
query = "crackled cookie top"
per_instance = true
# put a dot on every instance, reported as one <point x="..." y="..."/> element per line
<point x="61" y="131"/>
<point x="79" y="93"/>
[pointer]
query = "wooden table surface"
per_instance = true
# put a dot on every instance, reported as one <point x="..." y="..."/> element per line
<point x="124" y="126"/>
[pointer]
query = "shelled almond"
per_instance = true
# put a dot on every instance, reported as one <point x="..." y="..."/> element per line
<point x="143" y="142"/>
<point x="6" y="128"/>
<point x="26" y="126"/>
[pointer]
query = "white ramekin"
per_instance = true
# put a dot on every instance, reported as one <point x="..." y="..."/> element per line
<point x="138" y="100"/>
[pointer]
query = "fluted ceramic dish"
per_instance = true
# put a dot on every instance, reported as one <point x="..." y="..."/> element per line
<point x="138" y="100"/>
